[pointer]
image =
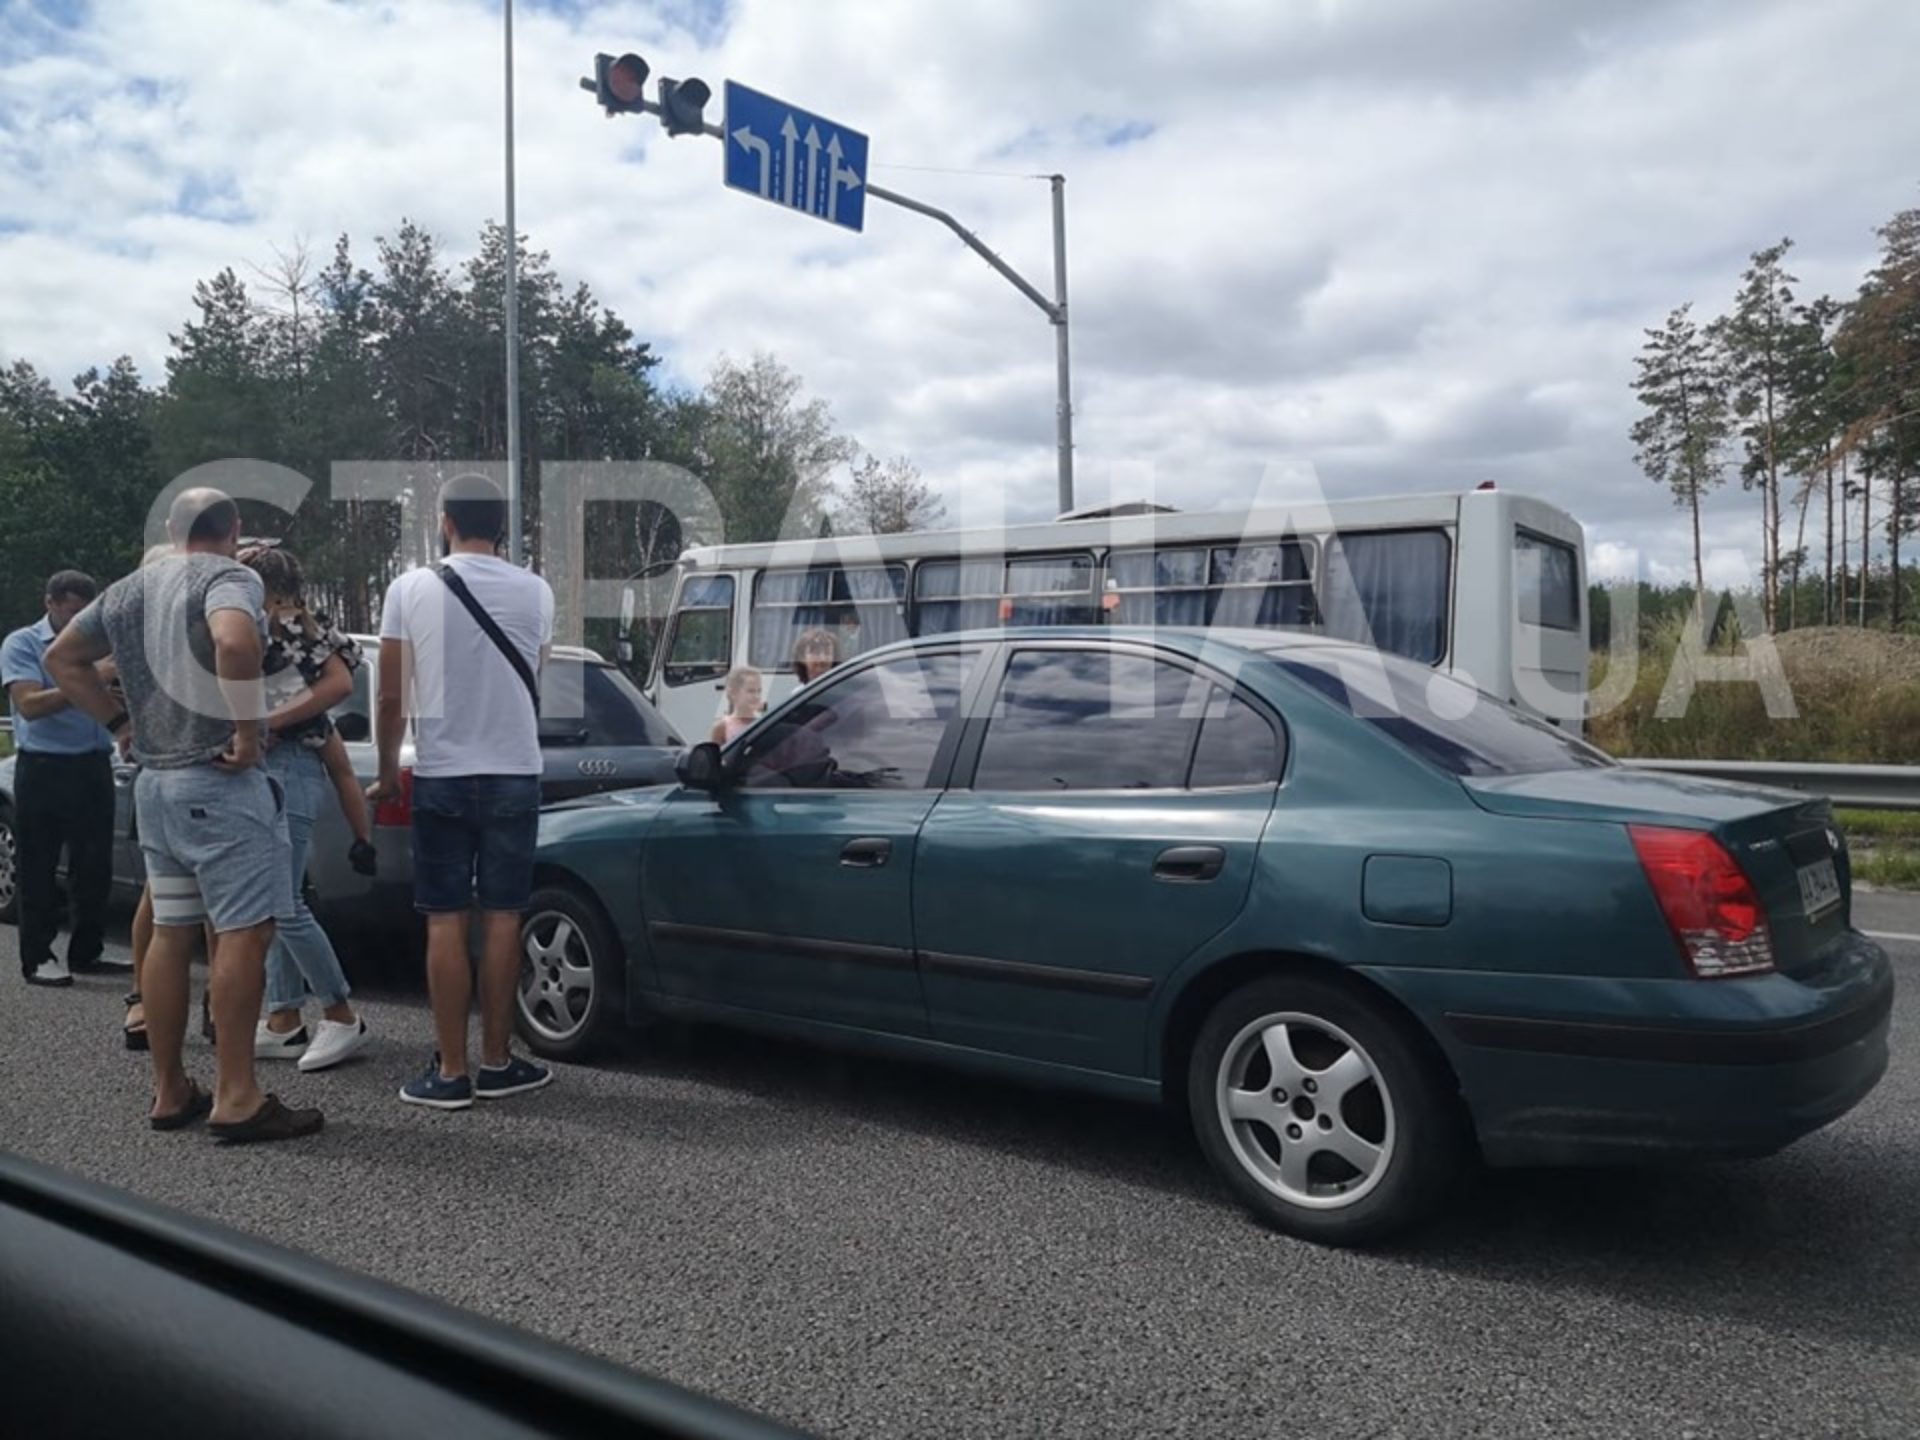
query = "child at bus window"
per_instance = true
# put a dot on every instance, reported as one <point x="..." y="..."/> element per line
<point x="848" y="634"/>
<point x="745" y="704"/>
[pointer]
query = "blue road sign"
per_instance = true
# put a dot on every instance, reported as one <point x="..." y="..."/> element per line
<point x="794" y="159"/>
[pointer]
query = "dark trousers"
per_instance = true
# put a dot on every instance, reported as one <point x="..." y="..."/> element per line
<point x="63" y="801"/>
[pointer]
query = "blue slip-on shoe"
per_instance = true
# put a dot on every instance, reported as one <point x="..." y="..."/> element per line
<point x="513" y="1078"/>
<point x="432" y="1089"/>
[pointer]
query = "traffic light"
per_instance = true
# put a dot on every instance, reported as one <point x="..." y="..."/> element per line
<point x="620" y="85"/>
<point x="681" y="104"/>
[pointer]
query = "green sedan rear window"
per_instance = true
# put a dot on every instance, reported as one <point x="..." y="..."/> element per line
<point x="1443" y="720"/>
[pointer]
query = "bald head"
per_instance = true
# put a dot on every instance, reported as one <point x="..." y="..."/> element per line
<point x="204" y="519"/>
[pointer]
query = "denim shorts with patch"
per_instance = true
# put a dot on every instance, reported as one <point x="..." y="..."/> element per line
<point x="473" y="841"/>
<point x="216" y="846"/>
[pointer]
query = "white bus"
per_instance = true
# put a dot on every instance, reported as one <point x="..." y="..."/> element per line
<point x="1488" y="585"/>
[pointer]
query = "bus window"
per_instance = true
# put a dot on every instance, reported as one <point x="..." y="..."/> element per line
<point x="859" y="605"/>
<point x="1546" y="581"/>
<point x="701" y="645"/>
<point x="1390" y="590"/>
<point x="1057" y="590"/>
<point x="951" y="595"/>
<point x="1265" y="585"/>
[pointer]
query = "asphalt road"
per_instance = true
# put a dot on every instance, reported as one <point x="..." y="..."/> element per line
<point x="871" y="1249"/>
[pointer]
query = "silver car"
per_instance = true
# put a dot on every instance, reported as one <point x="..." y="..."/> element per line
<point x="597" y="732"/>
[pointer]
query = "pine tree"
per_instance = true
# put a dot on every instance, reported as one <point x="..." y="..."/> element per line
<point x="1769" y="357"/>
<point x="1817" y="434"/>
<point x="1881" y="339"/>
<point x="1681" y="439"/>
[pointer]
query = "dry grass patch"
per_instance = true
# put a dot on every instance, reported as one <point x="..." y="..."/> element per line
<point x="1856" y="694"/>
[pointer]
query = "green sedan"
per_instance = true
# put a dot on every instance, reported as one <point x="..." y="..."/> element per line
<point x="1363" y="923"/>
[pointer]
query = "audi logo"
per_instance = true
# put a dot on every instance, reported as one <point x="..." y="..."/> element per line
<point x="599" y="767"/>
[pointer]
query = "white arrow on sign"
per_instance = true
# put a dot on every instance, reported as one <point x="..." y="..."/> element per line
<point x="747" y="140"/>
<point x="796" y="195"/>
<point x="811" y="202"/>
<point x="840" y="178"/>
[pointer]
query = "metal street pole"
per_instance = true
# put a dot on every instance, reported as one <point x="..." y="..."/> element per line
<point x="514" y="554"/>
<point x="1064" y="423"/>
<point x="1055" y="310"/>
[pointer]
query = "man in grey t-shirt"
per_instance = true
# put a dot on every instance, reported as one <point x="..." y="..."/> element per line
<point x="185" y="634"/>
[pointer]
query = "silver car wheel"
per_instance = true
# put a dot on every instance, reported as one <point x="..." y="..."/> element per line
<point x="1305" y="1111"/>
<point x="9" y="865"/>
<point x="556" y="975"/>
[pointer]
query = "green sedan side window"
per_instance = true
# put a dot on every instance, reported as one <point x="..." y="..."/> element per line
<point x="877" y="729"/>
<point x="1094" y="720"/>
<point x="1238" y="746"/>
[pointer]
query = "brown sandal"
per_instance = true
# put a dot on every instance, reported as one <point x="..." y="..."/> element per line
<point x="200" y="1104"/>
<point x="135" y="1031"/>
<point x="272" y="1121"/>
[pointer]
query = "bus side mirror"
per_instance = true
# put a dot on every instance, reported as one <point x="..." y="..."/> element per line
<point x="623" y="650"/>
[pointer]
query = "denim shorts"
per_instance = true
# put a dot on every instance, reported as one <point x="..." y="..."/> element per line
<point x="473" y="839"/>
<point x="216" y="846"/>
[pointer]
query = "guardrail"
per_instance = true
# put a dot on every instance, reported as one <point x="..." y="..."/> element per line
<point x="1858" y="787"/>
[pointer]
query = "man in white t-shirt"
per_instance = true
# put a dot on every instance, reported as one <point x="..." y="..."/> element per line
<point x="472" y="696"/>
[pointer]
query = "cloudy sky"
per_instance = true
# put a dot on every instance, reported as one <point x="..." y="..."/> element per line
<point x="1411" y="244"/>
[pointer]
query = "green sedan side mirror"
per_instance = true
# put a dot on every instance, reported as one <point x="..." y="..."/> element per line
<point x="700" y="768"/>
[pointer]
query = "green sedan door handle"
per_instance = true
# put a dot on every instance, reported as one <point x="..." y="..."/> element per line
<point x="1189" y="864"/>
<point x="866" y="853"/>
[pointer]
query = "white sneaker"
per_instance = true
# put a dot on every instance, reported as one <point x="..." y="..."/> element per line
<point x="270" y="1044"/>
<point x="51" y="972"/>
<point x="336" y="1041"/>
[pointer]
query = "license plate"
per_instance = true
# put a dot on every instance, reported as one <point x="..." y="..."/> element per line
<point x="1819" y="888"/>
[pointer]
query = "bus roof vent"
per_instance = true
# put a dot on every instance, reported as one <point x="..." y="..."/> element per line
<point x="1125" y="507"/>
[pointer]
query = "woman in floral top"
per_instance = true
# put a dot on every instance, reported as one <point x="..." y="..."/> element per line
<point x="307" y="667"/>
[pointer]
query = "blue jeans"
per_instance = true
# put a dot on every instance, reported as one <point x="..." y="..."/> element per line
<point x="473" y="841"/>
<point x="302" y="957"/>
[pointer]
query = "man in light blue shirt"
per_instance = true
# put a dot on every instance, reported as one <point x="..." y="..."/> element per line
<point x="63" y="796"/>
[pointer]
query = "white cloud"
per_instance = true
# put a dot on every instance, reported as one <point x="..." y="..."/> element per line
<point x="1413" y="244"/>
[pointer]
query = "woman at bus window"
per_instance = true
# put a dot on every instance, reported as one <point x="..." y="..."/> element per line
<point x="814" y="653"/>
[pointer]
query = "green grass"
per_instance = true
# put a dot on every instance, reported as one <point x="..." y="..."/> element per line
<point x="1880" y="824"/>
<point x="1892" y="869"/>
<point x="6" y="743"/>
<point x="1885" y="845"/>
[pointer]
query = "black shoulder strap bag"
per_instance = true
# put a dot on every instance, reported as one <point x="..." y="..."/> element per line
<point x="451" y="579"/>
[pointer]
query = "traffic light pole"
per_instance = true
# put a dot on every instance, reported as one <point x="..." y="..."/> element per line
<point x="1055" y="309"/>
